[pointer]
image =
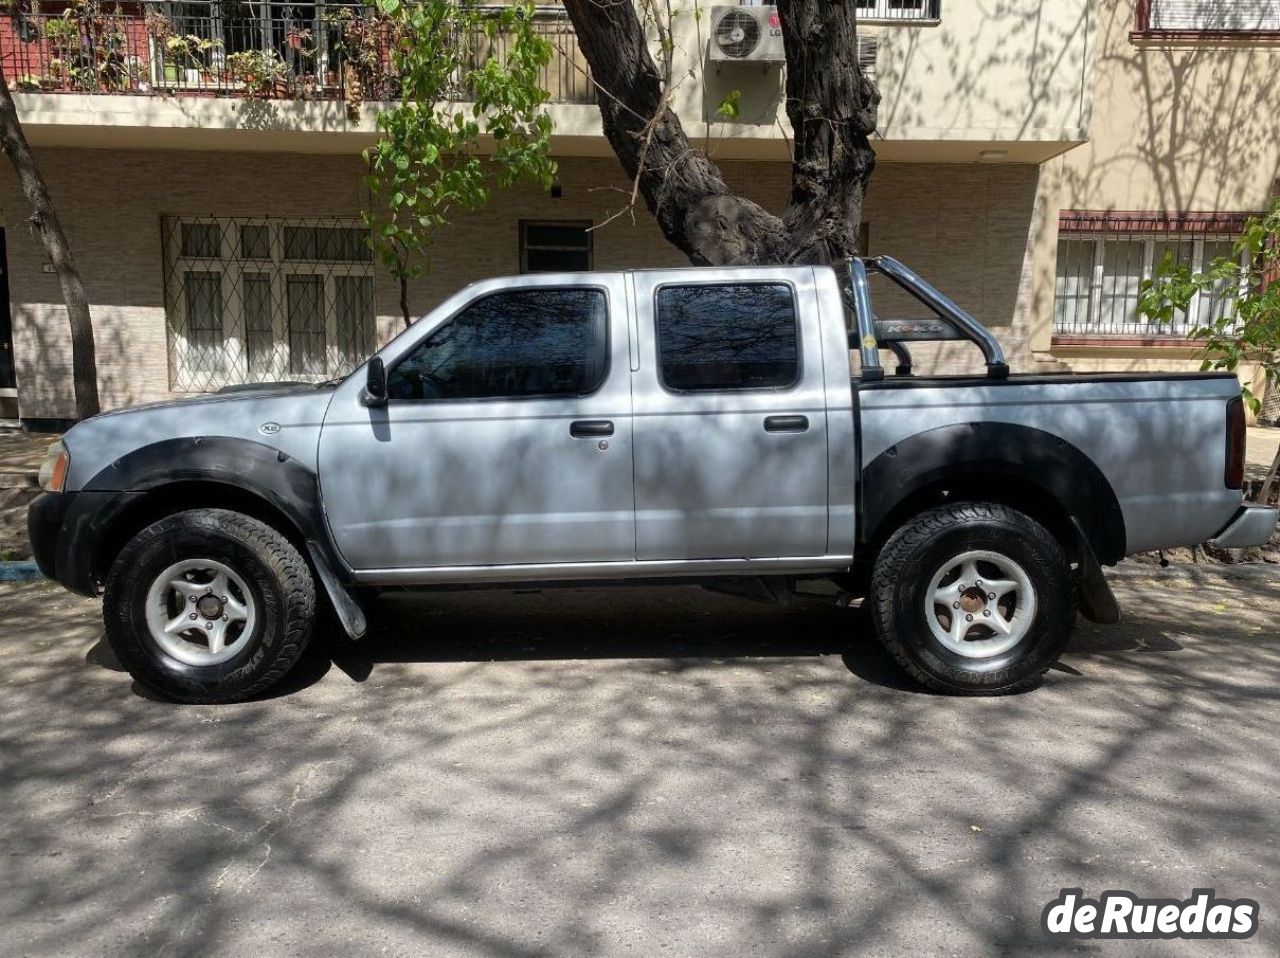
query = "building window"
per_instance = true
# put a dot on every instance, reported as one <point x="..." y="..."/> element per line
<point x="555" y="246"/>
<point x="1103" y="258"/>
<point x="741" y="336"/>
<point x="261" y="300"/>
<point x="519" y="344"/>
<point x="1201" y="17"/>
<point x="891" y="10"/>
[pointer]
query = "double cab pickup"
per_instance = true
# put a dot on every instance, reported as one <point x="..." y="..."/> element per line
<point x="728" y="426"/>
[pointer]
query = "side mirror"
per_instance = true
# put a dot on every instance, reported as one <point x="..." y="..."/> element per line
<point x="375" y="384"/>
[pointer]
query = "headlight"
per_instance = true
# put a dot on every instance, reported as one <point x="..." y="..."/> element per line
<point x="53" y="472"/>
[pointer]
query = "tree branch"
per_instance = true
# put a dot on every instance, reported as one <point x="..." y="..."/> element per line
<point x="832" y="108"/>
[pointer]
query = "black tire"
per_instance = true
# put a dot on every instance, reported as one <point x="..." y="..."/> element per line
<point x="903" y="575"/>
<point x="275" y="574"/>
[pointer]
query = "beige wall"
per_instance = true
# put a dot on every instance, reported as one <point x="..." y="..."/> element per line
<point x="1179" y="127"/>
<point x="965" y="227"/>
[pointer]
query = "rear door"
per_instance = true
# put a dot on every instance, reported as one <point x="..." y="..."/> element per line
<point x="506" y="439"/>
<point x="730" y="417"/>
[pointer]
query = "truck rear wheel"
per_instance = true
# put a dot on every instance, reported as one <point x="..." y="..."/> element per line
<point x="209" y="606"/>
<point x="973" y="598"/>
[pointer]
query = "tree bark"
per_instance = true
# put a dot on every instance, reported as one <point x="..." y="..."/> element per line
<point x="1264" y="494"/>
<point x="832" y="108"/>
<point x="44" y="220"/>
<point x="404" y="297"/>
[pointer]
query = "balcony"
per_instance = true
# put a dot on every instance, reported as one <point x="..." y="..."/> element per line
<point x="237" y="48"/>
<point x="252" y="75"/>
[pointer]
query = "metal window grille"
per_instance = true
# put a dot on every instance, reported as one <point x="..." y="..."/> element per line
<point x="1214" y="15"/>
<point x="898" y="10"/>
<point x="1098" y="277"/>
<point x="1270" y="413"/>
<point x="262" y="300"/>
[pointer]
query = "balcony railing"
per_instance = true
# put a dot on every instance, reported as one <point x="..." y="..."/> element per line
<point x="238" y="48"/>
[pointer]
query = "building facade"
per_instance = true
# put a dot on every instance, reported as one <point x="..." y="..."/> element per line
<point x="1035" y="160"/>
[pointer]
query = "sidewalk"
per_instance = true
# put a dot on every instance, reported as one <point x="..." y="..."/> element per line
<point x="20" y="456"/>
<point x="1261" y="450"/>
<point x="22" y="452"/>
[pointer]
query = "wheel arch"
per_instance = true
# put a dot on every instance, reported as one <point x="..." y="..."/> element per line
<point x="226" y="473"/>
<point x="211" y="472"/>
<point x="1024" y="468"/>
<point x="190" y="493"/>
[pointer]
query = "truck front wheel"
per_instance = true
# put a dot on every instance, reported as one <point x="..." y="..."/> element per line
<point x="208" y="606"/>
<point x="973" y="598"/>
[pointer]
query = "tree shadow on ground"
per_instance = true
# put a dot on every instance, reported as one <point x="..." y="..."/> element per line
<point x="476" y="796"/>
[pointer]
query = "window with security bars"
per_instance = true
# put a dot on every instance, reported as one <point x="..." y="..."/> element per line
<point x="264" y="300"/>
<point x="1211" y="16"/>
<point x="1269" y="415"/>
<point x="1098" y="279"/>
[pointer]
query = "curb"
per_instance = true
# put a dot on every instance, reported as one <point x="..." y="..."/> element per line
<point x="24" y="571"/>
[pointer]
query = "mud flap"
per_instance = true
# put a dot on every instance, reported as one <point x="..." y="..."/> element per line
<point x="1097" y="601"/>
<point x="348" y="610"/>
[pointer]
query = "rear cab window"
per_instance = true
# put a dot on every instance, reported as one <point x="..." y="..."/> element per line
<point x="732" y="336"/>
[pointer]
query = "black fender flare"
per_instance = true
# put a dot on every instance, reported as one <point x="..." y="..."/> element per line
<point x="1037" y="459"/>
<point x="252" y="467"/>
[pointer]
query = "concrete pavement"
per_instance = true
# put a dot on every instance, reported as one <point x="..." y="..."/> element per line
<point x="639" y="771"/>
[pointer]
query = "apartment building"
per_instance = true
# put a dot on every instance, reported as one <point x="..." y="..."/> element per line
<point x="1035" y="160"/>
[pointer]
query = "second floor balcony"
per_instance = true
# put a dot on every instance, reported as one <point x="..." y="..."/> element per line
<point x="238" y="48"/>
<point x="291" y="77"/>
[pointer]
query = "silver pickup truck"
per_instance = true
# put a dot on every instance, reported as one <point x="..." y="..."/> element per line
<point x="728" y="426"/>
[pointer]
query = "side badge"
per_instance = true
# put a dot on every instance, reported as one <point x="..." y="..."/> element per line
<point x="269" y="428"/>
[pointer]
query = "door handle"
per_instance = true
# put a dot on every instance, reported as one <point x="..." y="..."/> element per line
<point x="590" y="428"/>
<point x="786" y="423"/>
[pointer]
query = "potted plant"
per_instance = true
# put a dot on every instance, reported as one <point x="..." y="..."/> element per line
<point x="160" y="29"/>
<point x="261" y="72"/>
<point x="63" y="34"/>
<point x="189" y="54"/>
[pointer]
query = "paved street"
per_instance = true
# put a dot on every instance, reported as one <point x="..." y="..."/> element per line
<point x="645" y="771"/>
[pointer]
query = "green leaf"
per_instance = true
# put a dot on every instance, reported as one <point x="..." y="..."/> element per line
<point x="728" y="107"/>
<point x="427" y="161"/>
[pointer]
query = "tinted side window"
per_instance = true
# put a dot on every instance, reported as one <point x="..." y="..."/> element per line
<point x="519" y="343"/>
<point x="727" y="337"/>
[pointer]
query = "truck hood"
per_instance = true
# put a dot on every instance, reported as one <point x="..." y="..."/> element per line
<point x="251" y="391"/>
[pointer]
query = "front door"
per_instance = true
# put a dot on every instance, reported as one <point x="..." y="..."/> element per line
<point x="731" y="424"/>
<point x="8" y="378"/>
<point x="506" y="439"/>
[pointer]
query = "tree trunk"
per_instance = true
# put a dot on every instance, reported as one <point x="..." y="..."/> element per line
<point x="44" y="220"/>
<point x="404" y="298"/>
<point x="1264" y="494"/>
<point x="832" y="108"/>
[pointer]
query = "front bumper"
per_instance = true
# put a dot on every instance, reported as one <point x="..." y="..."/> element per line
<point x="67" y="529"/>
<point x="1253" y="525"/>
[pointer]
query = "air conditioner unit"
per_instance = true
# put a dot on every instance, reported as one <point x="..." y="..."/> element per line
<point x="746" y="35"/>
